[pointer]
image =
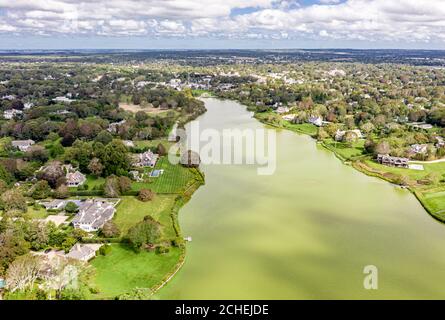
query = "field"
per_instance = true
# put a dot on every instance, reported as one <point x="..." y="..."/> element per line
<point x="153" y="143"/>
<point x="122" y="270"/>
<point x="434" y="202"/>
<point x="131" y="211"/>
<point x="175" y="179"/>
<point x="93" y="181"/>
<point x="304" y="128"/>
<point x="148" y="109"/>
<point x="345" y="151"/>
<point x="412" y="174"/>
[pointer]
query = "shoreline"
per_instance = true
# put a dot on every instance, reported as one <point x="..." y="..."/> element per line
<point x="354" y="164"/>
<point x="180" y="202"/>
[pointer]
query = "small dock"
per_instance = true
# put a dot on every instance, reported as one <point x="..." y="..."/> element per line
<point x="188" y="239"/>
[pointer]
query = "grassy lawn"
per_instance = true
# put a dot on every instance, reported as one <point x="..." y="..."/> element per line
<point x="435" y="202"/>
<point x="413" y="174"/>
<point x="175" y="179"/>
<point x="153" y="143"/>
<point x="431" y="196"/>
<point x="131" y="211"/>
<point x="93" y="181"/>
<point x="304" y="128"/>
<point x="40" y="213"/>
<point x="122" y="270"/>
<point x="345" y="151"/>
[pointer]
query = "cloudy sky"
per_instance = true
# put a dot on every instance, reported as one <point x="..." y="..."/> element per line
<point x="145" y="24"/>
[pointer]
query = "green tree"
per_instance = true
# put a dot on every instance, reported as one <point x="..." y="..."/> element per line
<point x="62" y="192"/>
<point x="115" y="159"/>
<point x="145" y="233"/>
<point x="71" y="207"/>
<point x="12" y="245"/>
<point x="146" y="195"/>
<point x="110" y="230"/>
<point x="111" y="187"/>
<point x="96" y="167"/>
<point x="5" y="175"/>
<point x="41" y="190"/>
<point x="13" y="200"/>
<point x="104" y="137"/>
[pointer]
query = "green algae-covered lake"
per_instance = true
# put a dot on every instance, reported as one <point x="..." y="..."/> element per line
<point x="305" y="232"/>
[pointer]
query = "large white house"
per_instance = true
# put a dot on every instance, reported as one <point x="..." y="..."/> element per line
<point x="317" y="121"/>
<point x="23" y="145"/>
<point x="11" y="113"/>
<point x="93" y="214"/>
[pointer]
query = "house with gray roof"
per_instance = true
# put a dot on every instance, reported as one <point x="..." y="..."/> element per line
<point x="23" y="145"/>
<point x="146" y="159"/>
<point x="93" y="214"/>
<point x="75" y="179"/>
<point x="83" y="252"/>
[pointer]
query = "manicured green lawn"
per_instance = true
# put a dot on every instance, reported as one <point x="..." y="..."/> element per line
<point x="131" y="211"/>
<point x="93" y="181"/>
<point x="413" y="174"/>
<point x="305" y="128"/>
<point x="153" y="143"/>
<point x="122" y="270"/>
<point x="175" y="179"/>
<point x="435" y="202"/>
<point x="345" y="151"/>
<point x="432" y="196"/>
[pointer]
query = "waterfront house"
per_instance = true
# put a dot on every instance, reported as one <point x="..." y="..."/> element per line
<point x="93" y="214"/>
<point x="282" y="110"/>
<point x="317" y="121"/>
<point x="23" y="145"/>
<point x="387" y="160"/>
<point x="146" y="159"/>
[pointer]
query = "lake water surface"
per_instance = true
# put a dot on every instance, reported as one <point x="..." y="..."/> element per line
<point x="305" y="232"/>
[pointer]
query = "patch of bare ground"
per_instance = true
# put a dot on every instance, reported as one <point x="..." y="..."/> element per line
<point x="135" y="108"/>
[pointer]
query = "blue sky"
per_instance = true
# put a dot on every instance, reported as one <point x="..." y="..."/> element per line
<point x="189" y="24"/>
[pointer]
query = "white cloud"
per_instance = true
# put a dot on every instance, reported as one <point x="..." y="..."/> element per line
<point x="366" y="20"/>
